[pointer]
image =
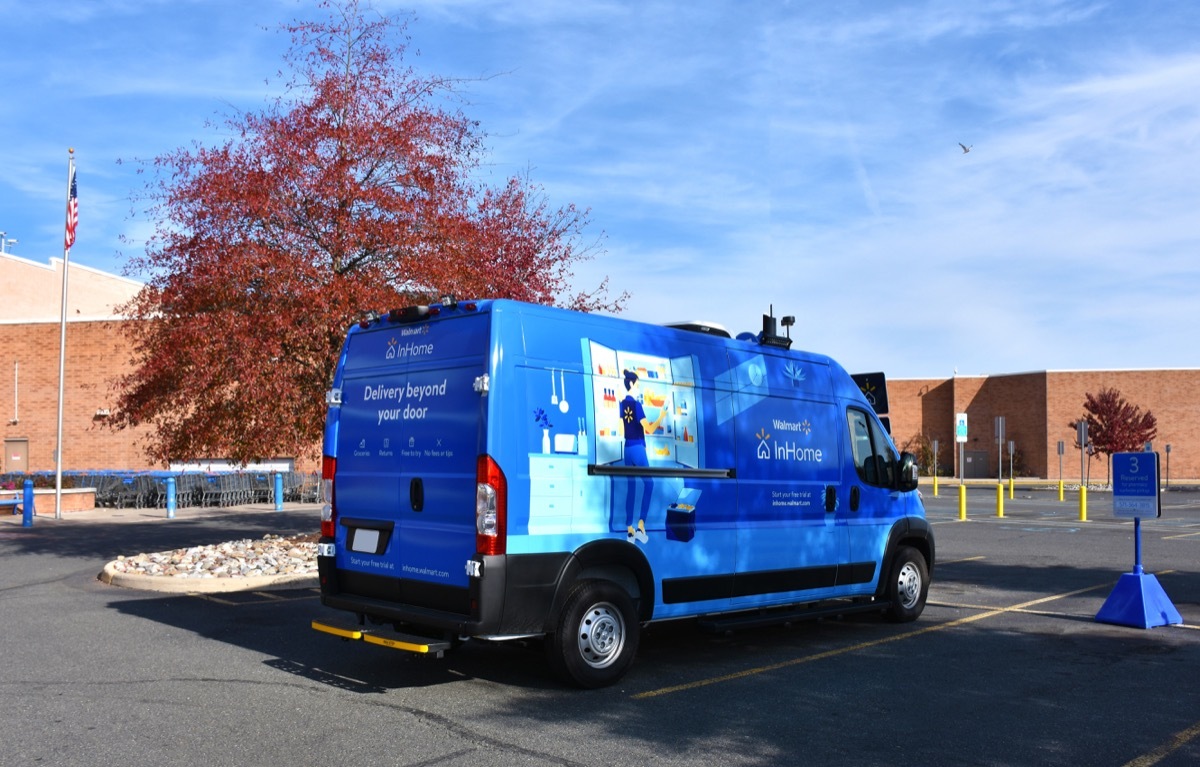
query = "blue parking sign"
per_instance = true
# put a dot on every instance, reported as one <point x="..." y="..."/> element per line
<point x="1135" y="485"/>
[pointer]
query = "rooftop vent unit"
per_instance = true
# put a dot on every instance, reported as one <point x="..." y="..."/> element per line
<point x="697" y="326"/>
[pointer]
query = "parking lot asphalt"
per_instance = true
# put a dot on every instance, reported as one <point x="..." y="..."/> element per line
<point x="1007" y="666"/>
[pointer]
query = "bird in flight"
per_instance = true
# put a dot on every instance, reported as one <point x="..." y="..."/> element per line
<point x="965" y="147"/>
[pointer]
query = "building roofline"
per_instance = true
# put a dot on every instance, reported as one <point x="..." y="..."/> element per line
<point x="70" y="320"/>
<point x="1047" y="372"/>
<point x="51" y="265"/>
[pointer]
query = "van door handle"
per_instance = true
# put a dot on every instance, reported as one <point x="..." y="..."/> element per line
<point x="830" y="498"/>
<point x="416" y="494"/>
<point x="854" y="498"/>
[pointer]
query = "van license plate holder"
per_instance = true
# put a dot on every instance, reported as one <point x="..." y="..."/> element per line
<point x="364" y="540"/>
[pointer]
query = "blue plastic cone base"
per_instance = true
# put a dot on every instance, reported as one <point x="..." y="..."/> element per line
<point x="1138" y="601"/>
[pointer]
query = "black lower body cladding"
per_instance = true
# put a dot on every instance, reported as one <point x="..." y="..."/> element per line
<point x="512" y="595"/>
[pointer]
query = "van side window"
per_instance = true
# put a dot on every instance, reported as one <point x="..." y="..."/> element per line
<point x="873" y="456"/>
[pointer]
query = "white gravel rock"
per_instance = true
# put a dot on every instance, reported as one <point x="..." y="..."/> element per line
<point x="273" y="555"/>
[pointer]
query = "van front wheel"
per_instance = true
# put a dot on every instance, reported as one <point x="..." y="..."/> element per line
<point x="908" y="585"/>
<point x="596" y="635"/>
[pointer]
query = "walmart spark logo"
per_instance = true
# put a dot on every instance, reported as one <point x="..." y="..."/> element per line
<point x="764" y="449"/>
<point x="868" y="390"/>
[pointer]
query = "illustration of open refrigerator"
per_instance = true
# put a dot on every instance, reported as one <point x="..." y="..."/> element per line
<point x="664" y="383"/>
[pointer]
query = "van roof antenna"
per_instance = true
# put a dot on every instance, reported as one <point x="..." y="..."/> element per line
<point x="770" y="336"/>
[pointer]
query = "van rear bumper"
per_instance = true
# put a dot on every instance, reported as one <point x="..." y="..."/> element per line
<point x="513" y="594"/>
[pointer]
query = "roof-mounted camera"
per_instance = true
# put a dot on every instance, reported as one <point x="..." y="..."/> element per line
<point x="770" y="335"/>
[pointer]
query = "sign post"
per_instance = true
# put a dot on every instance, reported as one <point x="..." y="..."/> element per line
<point x="1012" y="449"/>
<point x="1000" y="449"/>
<point x="960" y="436"/>
<point x="1081" y="436"/>
<point x="1137" y="600"/>
<point x="1061" y="449"/>
<point x="1168" y="466"/>
<point x="935" y="467"/>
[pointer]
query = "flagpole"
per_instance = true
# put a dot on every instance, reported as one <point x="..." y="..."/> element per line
<point x="62" y="338"/>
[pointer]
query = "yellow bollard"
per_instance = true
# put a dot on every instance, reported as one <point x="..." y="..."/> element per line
<point x="1010" y="488"/>
<point x="1082" y="503"/>
<point x="935" y="486"/>
<point x="1060" y="491"/>
<point x="1000" y="499"/>
<point x="962" y="501"/>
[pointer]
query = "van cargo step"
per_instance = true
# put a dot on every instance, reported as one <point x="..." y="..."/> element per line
<point x="381" y="635"/>
<point x="787" y="615"/>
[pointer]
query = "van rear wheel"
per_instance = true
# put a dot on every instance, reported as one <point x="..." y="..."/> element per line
<point x="908" y="585"/>
<point x="596" y="636"/>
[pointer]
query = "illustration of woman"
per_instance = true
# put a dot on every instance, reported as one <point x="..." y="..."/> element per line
<point x="637" y="426"/>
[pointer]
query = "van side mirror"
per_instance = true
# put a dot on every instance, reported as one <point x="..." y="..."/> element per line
<point x="906" y="472"/>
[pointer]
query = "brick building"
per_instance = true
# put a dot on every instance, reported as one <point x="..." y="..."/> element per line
<point x="97" y="352"/>
<point x="1037" y="406"/>
<point x="1038" y="409"/>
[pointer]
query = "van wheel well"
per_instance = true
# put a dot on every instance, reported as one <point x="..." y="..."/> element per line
<point x="912" y="533"/>
<point x="618" y="574"/>
<point x="607" y="560"/>
<point x="921" y="545"/>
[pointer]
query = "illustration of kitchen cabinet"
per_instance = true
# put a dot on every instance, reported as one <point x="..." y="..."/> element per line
<point x="664" y="384"/>
<point x="563" y="498"/>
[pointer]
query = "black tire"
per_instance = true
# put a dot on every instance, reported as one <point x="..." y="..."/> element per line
<point x="907" y="586"/>
<point x="596" y="635"/>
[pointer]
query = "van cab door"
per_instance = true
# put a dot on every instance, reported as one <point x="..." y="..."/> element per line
<point x="872" y="504"/>
<point x="790" y="544"/>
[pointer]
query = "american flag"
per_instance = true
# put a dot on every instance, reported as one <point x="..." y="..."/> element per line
<point x="72" y="211"/>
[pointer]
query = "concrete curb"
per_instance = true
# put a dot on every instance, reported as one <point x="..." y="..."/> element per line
<point x="174" y="585"/>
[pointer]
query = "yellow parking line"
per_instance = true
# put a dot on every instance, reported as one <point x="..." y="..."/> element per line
<point x="860" y="646"/>
<point x="1181" y="535"/>
<point x="959" y="561"/>
<point x="1048" y="613"/>
<point x="1178" y="741"/>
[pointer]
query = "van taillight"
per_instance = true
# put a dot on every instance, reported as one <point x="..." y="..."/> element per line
<point x="491" y="507"/>
<point x="328" y="514"/>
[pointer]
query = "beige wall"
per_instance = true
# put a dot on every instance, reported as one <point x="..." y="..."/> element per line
<point x="32" y="292"/>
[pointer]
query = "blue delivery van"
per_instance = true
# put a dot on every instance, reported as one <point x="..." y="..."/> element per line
<point x="501" y="470"/>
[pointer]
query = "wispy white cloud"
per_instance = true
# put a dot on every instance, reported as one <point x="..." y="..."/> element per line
<point x="742" y="155"/>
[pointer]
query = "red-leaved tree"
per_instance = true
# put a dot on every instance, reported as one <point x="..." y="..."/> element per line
<point x="352" y="192"/>
<point x="1114" y="425"/>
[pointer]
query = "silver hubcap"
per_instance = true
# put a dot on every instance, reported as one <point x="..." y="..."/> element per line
<point x="908" y="586"/>
<point x="601" y="635"/>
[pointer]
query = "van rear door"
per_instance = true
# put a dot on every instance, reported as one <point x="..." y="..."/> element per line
<point x="411" y="427"/>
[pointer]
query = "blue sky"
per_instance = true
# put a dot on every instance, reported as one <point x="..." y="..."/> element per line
<point x="734" y="155"/>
